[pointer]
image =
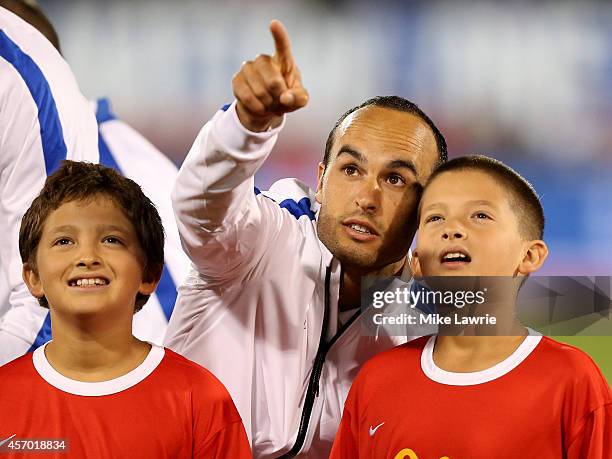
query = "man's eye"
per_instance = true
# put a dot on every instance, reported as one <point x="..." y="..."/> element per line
<point x="395" y="179"/>
<point x="481" y="215"/>
<point x="350" y="170"/>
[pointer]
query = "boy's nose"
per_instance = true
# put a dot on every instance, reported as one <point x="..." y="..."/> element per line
<point x="88" y="261"/>
<point x="454" y="232"/>
<point x="88" y="256"/>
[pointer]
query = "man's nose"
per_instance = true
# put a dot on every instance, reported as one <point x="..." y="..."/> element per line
<point x="369" y="195"/>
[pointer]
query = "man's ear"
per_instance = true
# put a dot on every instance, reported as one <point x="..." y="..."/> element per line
<point x="32" y="280"/>
<point x="536" y="252"/>
<point x="320" y="174"/>
<point x="415" y="265"/>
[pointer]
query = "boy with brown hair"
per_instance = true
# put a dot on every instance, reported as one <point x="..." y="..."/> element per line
<point x="92" y="248"/>
<point x="516" y="395"/>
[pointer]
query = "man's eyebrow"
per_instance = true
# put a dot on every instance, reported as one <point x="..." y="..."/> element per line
<point x="395" y="164"/>
<point x="346" y="149"/>
<point x="403" y="164"/>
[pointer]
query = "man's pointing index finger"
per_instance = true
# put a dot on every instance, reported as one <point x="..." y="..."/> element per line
<point x="282" y="46"/>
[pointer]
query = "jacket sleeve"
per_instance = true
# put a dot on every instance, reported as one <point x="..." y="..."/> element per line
<point x="223" y="225"/>
<point x="23" y="175"/>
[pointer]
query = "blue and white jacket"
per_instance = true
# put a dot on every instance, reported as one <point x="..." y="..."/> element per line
<point x="44" y="119"/>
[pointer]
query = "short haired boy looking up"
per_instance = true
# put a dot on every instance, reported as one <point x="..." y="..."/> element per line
<point x="521" y="395"/>
<point x="92" y="247"/>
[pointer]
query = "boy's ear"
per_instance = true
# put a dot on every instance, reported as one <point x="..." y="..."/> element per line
<point x="534" y="257"/>
<point x="32" y="280"/>
<point x="151" y="280"/>
<point x="320" y="173"/>
<point x="415" y="265"/>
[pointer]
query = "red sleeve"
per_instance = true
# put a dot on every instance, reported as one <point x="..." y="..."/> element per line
<point x="346" y="443"/>
<point x="594" y="439"/>
<point x="231" y="442"/>
<point x="218" y="431"/>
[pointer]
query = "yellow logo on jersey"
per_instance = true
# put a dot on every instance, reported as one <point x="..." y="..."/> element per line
<point x="407" y="453"/>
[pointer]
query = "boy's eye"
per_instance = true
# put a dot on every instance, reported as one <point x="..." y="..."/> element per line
<point x="112" y="240"/>
<point x="62" y="241"/>
<point x="433" y="218"/>
<point x="481" y="215"/>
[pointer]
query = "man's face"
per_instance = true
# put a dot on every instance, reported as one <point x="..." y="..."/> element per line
<point x="467" y="227"/>
<point x="369" y="192"/>
<point x="89" y="260"/>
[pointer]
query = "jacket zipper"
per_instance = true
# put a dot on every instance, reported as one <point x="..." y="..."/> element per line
<point x="313" y="383"/>
<point x="317" y="368"/>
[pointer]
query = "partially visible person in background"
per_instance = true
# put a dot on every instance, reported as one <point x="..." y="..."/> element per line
<point x="125" y="150"/>
<point x="44" y="119"/>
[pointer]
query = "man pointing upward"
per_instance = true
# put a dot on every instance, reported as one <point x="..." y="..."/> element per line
<point x="272" y="307"/>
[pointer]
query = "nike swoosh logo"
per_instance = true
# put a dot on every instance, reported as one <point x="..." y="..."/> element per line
<point x="374" y="429"/>
<point x="4" y="441"/>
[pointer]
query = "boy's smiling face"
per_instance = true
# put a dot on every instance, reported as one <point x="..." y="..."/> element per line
<point x="89" y="259"/>
<point x="467" y="227"/>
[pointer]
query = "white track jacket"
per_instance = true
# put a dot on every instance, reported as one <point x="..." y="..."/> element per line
<point x="44" y="119"/>
<point x="260" y="308"/>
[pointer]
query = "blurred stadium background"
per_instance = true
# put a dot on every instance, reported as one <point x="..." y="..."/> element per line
<point x="530" y="84"/>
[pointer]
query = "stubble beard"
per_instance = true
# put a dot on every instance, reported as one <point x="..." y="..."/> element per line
<point x="350" y="255"/>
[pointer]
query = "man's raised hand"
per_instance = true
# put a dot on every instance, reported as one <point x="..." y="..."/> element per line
<point x="269" y="86"/>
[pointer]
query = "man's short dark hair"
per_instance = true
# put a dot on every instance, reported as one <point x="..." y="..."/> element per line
<point x="30" y="12"/>
<point x="523" y="198"/>
<point x="81" y="181"/>
<point x="394" y="103"/>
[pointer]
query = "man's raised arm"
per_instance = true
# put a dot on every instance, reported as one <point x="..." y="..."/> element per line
<point x="218" y="216"/>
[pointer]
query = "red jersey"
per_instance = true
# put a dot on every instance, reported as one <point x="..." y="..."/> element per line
<point x="547" y="400"/>
<point x="167" y="407"/>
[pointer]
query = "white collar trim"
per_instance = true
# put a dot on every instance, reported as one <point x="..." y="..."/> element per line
<point x="437" y="374"/>
<point x="96" y="389"/>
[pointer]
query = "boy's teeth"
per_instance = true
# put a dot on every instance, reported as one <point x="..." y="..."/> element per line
<point x="93" y="281"/>
<point x="361" y="229"/>
<point x="454" y="256"/>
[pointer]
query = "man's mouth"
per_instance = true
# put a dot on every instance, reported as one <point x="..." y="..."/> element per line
<point x="88" y="281"/>
<point x="360" y="230"/>
<point x="360" y="226"/>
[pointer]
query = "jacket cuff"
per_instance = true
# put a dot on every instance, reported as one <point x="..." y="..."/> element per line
<point x="239" y="141"/>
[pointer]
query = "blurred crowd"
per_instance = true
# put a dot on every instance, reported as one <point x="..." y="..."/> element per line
<point x="530" y="84"/>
